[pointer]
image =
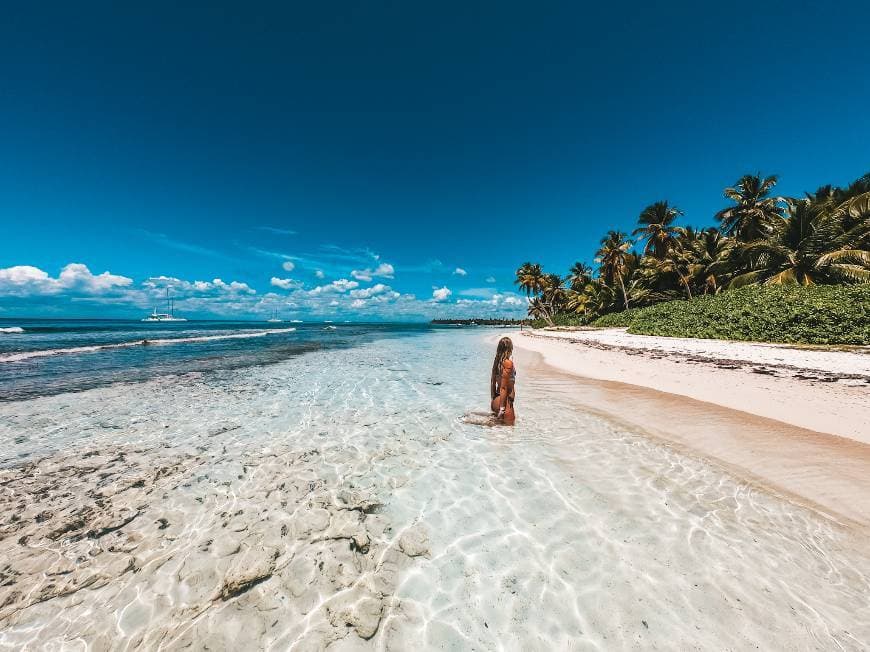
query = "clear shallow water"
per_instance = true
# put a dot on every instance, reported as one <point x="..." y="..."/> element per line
<point x="566" y="532"/>
<point x="48" y="356"/>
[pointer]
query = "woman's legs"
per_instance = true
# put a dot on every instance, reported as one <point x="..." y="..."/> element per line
<point x="509" y="416"/>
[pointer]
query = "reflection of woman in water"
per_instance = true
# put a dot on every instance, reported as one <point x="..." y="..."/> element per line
<point x="501" y="382"/>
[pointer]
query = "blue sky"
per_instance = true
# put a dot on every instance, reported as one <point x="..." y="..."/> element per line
<point x="380" y="150"/>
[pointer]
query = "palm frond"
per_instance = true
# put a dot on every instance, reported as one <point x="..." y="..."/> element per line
<point x="747" y="278"/>
<point x="850" y="273"/>
<point x="857" y="207"/>
<point x="848" y="256"/>
<point x="785" y="277"/>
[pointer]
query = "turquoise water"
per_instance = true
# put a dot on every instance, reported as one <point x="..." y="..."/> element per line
<point x="48" y="356"/>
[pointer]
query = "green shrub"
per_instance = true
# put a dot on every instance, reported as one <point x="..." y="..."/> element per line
<point x="820" y="314"/>
<point x="617" y="319"/>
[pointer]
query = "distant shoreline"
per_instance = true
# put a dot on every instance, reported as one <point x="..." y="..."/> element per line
<point x="480" y="322"/>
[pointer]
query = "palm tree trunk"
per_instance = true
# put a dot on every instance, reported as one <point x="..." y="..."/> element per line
<point x="624" y="293"/>
<point x="547" y="317"/>
<point x="686" y="284"/>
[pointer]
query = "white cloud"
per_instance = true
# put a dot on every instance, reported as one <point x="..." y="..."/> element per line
<point x="285" y="283"/>
<point x="365" y="293"/>
<point x="288" y="265"/>
<point x="490" y="279"/>
<point x="108" y="292"/>
<point x="105" y="293"/>
<point x="213" y="287"/>
<point x="483" y="293"/>
<point x="341" y="285"/>
<point x="24" y="280"/>
<point x="76" y="275"/>
<point x="384" y="270"/>
<point x="459" y="272"/>
<point x="276" y="230"/>
<point x="319" y="273"/>
<point x="165" y="240"/>
<point x="234" y="287"/>
<point x="441" y="294"/>
<point x="497" y="300"/>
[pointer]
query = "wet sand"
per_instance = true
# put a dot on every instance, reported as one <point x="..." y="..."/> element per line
<point x="827" y="472"/>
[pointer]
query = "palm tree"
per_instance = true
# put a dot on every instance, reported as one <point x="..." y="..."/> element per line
<point x="713" y="254"/>
<point x="579" y="275"/>
<point x="530" y="278"/>
<point x="657" y="228"/>
<point x="553" y="293"/>
<point x="818" y="242"/>
<point x="679" y="261"/>
<point x="822" y="238"/>
<point x="596" y="298"/>
<point x="756" y="214"/>
<point x="577" y="301"/>
<point x="537" y="310"/>
<point x="613" y="258"/>
<point x="860" y="186"/>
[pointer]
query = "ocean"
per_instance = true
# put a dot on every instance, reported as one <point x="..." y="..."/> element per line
<point x="342" y="488"/>
<point x="47" y="356"/>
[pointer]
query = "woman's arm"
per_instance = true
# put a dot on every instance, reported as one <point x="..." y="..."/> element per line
<point x="506" y="385"/>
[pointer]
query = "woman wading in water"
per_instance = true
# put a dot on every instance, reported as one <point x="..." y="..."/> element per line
<point x="501" y="382"/>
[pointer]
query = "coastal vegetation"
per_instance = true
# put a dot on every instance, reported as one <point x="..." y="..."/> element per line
<point x="823" y="314"/>
<point x="694" y="276"/>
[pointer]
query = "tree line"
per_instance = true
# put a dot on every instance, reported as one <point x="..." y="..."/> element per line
<point x="760" y="238"/>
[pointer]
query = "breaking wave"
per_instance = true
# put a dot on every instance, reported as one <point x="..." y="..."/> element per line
<point x="26" y="355"/>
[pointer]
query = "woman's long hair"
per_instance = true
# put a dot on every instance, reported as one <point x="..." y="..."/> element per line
<point x="505" y="348"/>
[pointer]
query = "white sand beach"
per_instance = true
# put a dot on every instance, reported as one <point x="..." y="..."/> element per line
<point x="794" y="419"/>
<point x="817" y="388"/>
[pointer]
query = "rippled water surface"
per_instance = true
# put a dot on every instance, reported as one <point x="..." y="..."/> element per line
<point x="568" y="531"/>
<point x="50" y="356"/>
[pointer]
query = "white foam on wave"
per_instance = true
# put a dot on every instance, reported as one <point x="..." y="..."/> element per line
<point x="12" y="329"/>
<point x="26" y="355"/>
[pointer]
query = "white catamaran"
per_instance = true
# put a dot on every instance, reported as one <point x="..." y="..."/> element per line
<point x="165" y="316"/>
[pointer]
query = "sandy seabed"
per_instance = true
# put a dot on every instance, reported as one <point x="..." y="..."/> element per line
<point x="154" y="547"/>
<point x="339" y="500"/>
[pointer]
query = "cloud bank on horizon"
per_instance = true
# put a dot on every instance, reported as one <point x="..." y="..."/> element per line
<point x="327" y="284"/>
